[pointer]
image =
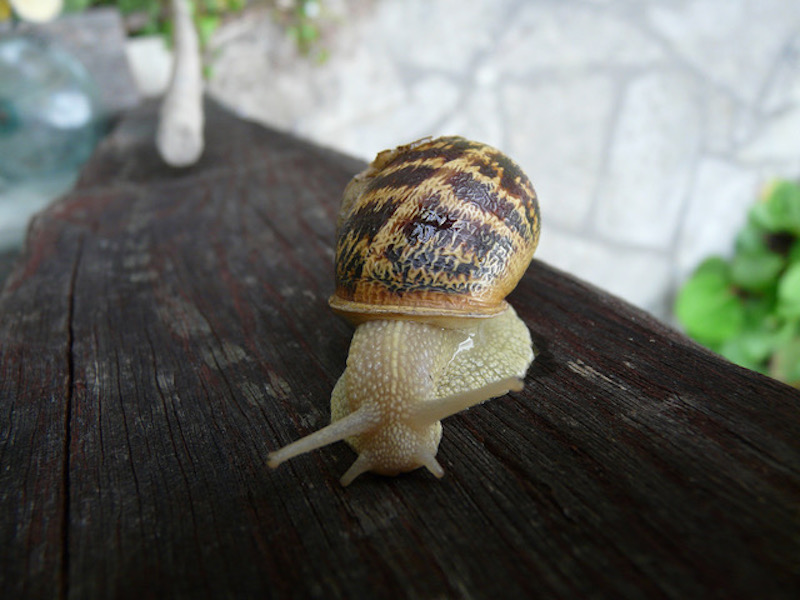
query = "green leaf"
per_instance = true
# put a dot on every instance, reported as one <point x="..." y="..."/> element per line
<point x="759" y="311"/>
<point x="785" y="364"/>
<point x="780" y="210"/>
<point x="761" y="217"/>
<point x="758" y="346"/>
<point x="751" y="239"/>
<point x="794" y="253"/>
<point x="206" y="26"/>
<point x="707" y="306"/>
<point x="308" y="32"/>
<point x="714" y="266"/>
<point x="787" y="331"/>
<point x="738" y="350"/>
<point x="761" y="334"/>
<point x="789" y="293"/>
<point x="756" y="271"/>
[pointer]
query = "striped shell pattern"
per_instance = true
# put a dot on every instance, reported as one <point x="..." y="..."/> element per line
<point x="442" y="227"/>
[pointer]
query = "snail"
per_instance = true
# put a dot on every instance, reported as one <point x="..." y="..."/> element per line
<point x="431" y="238"/>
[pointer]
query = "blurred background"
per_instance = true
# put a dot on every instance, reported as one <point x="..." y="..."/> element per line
<point x="648" y="127"/>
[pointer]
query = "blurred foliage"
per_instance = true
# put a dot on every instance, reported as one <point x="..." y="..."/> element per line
<point x="748" y="308"/>
<point x="299" y="18"/>
<point x="148" y="17"/>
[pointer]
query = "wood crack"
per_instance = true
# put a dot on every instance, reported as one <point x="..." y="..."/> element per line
<point x="67" y="432"/>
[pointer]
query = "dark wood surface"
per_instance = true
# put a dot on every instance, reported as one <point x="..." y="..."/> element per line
<point x="164" y="330"/>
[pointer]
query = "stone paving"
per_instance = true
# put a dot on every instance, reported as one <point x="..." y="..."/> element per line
<point x="647" y="126"/>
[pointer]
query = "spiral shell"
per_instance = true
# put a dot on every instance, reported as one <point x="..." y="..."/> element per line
<point x="442" y="227"/>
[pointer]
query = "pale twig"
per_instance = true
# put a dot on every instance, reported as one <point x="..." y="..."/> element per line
<point x="180" y="130"/>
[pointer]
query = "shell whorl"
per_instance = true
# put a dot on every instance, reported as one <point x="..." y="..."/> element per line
<point x="442" y="227"/>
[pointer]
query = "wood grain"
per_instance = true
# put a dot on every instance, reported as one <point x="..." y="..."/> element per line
<point x="164" y="330"/>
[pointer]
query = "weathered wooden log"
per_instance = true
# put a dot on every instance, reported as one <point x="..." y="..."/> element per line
<point x="163" y="331"/>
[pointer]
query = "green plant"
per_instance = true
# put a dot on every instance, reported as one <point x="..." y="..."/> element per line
<point x="747" y="308"/>
<point x="301" y="21"/>
<point x="146" y="17"/>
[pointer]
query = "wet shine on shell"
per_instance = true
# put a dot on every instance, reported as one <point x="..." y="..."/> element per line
<point x="442" y="227"/>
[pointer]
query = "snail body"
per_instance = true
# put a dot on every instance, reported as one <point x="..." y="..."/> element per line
<point x="431" y="237"/>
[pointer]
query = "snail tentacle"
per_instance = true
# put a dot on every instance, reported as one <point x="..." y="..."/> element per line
<point x="441" y="408"/>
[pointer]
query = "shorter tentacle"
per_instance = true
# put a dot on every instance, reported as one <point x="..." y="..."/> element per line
<point x="361" y="465"/>
<point x="429" y="462"/>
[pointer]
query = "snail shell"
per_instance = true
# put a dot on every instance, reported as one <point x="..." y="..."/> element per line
<point x="436" y="228"/>
<point x="431" y="237"/>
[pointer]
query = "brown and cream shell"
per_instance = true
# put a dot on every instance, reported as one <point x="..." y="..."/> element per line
<point x="442" y="227"/>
